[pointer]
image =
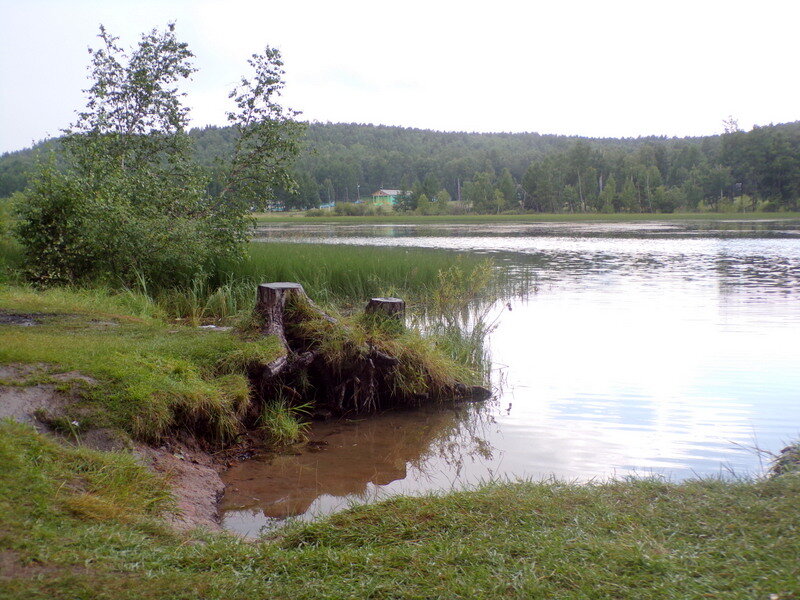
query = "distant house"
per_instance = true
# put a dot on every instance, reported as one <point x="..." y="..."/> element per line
<point x="386" y="197"/>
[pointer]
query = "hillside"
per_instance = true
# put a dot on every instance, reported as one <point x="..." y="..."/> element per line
<point x="501" y="171"/>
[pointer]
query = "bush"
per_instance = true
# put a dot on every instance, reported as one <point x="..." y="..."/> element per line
<point x="350" y="209"/>
<point x="77" y="229"/>
<point x="316" y="212"/>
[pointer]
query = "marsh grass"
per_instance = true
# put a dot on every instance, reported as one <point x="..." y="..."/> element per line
<point x="65" y="535"/>
<point x="340" y="274"/>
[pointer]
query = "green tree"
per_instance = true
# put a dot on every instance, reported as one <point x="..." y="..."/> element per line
<point x="430" y="185"/>
<point x="479" y="193"/>
<point x="268" y="136"/>
<point x="629" y="198"/>
<point x="130" y="202"/>
<point x="424" y="206"/>
<point x="607" y="199"/>
<point x="507" y="187"/>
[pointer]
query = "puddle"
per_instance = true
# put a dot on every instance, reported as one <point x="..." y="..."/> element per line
<point x="347" y="462"/>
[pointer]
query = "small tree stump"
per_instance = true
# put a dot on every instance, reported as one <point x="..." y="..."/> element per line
<point x="270" y="304"/>
<point x="391" y="308"/>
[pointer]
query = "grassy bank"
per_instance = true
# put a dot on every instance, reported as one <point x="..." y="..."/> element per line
<point x="296" y="218"/>
<point x="150" y="377"/>
<point x="80" y="524"/>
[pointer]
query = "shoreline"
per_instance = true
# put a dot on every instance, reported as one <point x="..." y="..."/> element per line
<point x="398" y="218"/>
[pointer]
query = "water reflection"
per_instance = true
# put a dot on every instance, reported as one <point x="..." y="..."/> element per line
<point x="353" y="461"/>
<point x="663" y="348"/>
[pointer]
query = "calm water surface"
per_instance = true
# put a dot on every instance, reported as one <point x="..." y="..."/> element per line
<point x="648" y="348"/>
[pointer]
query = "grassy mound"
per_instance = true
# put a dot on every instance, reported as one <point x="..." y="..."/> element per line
<point x="151" y="377"/>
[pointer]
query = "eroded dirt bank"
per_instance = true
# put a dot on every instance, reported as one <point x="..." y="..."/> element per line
<point x="35" y="395"/>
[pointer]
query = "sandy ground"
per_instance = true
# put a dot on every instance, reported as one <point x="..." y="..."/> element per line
<point x="196" y="484"/>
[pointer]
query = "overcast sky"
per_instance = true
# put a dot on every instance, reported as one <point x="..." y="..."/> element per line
<point x="595" y="68"/>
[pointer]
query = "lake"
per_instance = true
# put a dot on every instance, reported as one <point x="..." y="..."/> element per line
<point x="635" y="349"/>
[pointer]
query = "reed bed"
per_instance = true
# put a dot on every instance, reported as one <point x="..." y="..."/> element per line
<point x="341" y="276"/>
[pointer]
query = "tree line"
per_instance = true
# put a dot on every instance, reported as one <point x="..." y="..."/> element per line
<point x="491" y="173"/>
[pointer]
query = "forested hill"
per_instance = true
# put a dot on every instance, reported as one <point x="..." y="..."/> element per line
<point x="502" y="171"/>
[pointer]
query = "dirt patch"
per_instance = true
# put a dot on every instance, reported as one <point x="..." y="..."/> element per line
<point x="12" y="567"/>
<point x="21" y="400"/>
<point x="21" y="319"/>
<point x="194" y="476"/>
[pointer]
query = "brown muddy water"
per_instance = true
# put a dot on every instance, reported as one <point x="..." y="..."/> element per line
<point x="666" y="349"/>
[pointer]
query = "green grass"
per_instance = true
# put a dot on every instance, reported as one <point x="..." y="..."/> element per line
<point x="266" y="218"/>
<point x="82" y="525"/>
<point x="282" y="423"/>
<point x="341" y="276"/>
<point x="152" y="377"/>
<point x="340" y="273"/>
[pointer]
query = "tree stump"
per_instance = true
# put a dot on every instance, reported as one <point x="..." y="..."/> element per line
<point x="271" y="303"/>
<point x="331" y="364"/>
<point x="390" y="308"/>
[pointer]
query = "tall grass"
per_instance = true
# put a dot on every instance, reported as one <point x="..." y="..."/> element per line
<point x="343" y="276"/>
<point x="333" y="273"/>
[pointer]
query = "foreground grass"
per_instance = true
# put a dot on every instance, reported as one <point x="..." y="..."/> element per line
<point x="298" y="218"/>
<point x="152" y="377"/>
<point x="80" y="524"/>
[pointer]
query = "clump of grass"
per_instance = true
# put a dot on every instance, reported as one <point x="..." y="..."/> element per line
<point x="282" y="423"/>
<point x="207" y="302"/>
<point x="458" y="285"/>
<point x="423" y="371"/>
<point x="466" y="345"/>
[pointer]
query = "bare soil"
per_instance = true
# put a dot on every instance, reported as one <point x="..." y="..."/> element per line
<point x="196" y="484"/>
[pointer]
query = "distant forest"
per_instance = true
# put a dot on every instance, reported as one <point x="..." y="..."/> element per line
<point x="502" y="172"/>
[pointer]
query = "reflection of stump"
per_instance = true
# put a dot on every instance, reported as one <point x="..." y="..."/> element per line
<point x="392" y="308"/>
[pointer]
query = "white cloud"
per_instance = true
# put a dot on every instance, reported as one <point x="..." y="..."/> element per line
<point x="616" y="68"/>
